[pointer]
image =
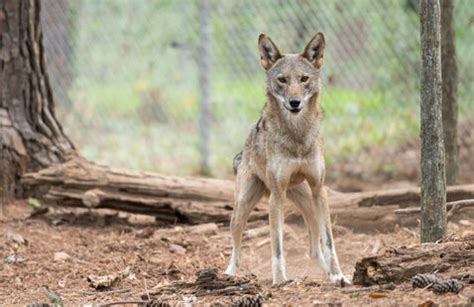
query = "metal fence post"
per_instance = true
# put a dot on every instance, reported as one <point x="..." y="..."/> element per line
<point x="204" y="87"/>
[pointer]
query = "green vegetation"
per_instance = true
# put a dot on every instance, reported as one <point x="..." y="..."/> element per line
<point x="136" y="94"/>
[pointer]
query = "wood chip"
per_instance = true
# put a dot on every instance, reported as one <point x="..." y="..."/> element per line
<point x="204" y="229"/>
<point x="101" y="282"/>
<point x="263" y="242"/>
<point x="15" y="237"/>
<point x="177" y="249"/>
<point x="257" y="232"/>
<point x="61" y="256"/>
<point x="145" y="233"/>
<point x="375" y="295"/>
<point x="427" y="303"/>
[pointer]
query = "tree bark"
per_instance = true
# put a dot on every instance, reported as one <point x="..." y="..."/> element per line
<point x="401" y="264"/>
<point x="433" y="180"/>
<point x="450" y="81"/>
<point x="80" y="183"/>
<point x="30" y="136"/>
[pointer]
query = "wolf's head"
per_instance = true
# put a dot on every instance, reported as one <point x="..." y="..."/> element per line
<point x="292" y="79"/>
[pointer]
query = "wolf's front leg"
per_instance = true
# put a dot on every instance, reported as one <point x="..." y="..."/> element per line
<point x="249" y="190"/>
<point x="278" y="182"/>
<point x="276" y="232"/>
<point x="329" y="252"/>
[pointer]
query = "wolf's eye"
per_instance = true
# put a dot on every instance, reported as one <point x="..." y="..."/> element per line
<point x="281" y="79"/>
<point x="304" y="79"/>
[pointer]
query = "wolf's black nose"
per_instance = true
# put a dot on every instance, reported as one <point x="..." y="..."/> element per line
<point x="294" y="103"/>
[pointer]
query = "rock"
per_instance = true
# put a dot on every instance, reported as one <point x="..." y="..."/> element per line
<point x="13" y="259"/>
<point x="61" y="256"/>
<point x="177" y="249"/>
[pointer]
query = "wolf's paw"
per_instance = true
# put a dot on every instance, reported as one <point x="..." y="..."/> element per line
<point x="231" y="270"/>
<point x="339" y="280"/>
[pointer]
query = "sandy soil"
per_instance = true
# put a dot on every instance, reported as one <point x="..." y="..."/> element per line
<point x="106" y="243"/>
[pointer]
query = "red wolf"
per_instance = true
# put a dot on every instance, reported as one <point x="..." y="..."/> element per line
<point x="283" y="157"/>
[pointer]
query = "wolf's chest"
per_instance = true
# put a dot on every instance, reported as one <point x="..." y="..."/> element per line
<point x="294" y="148"/>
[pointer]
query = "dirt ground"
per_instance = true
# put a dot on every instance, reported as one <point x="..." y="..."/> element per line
<point x="60" y="249"/>
<point x="63" y="247"/>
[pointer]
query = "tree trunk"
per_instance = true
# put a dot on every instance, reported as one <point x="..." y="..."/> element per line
<point x="30" y="136"/>
<point x="433" y="180"/>
<point x="450" y="81"/>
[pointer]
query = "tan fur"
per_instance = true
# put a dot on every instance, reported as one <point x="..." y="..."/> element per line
<point x="283" y="157"/>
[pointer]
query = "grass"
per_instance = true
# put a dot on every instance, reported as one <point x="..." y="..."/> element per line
<point x="113" y="100"/>
<point x="115" y="133"/>
<point x="118" y="63"/>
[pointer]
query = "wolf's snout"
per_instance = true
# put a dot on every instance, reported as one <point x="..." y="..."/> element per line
<point x="294" y="103"/>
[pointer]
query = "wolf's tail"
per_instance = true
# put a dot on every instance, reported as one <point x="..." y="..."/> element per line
<point x="237" y="160"/>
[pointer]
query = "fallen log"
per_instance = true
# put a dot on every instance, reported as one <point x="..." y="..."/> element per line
<point x="408" y="195"/>
<point x="80" y="183"/>
<point x="401" y="264"/>
<point x="82" y="174"/>
<point x="377" y="210"/>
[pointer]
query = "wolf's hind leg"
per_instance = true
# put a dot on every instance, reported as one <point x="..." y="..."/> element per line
<point x="324" y="221"/>
<point x="249" y="190"/>
<point x="300" y="196"/>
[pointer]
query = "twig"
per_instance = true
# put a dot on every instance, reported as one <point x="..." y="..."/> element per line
<point x="123" y="303"/>
<point x="146" y="290"/>
<point x="428" y="286"/>
<point x="408" y="210"/>
<point x="456" y="205"/>
<point x="413" y="233"/>
<point x="451" y="206"/>
<point x="105" y="292"/>
<point x="377" y="246"/>
<point x="263" y="242"/>
<point x="389" y="286"/>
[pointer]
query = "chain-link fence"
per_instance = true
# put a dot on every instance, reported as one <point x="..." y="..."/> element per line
<point x="165" y="85"/>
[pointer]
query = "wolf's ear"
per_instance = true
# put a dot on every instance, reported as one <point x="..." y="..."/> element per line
<point x="269" y="52"/>
<point x="314" y="50"/>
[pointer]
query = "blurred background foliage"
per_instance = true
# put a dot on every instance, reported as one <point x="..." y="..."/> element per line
<point x="125" y="74"/>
